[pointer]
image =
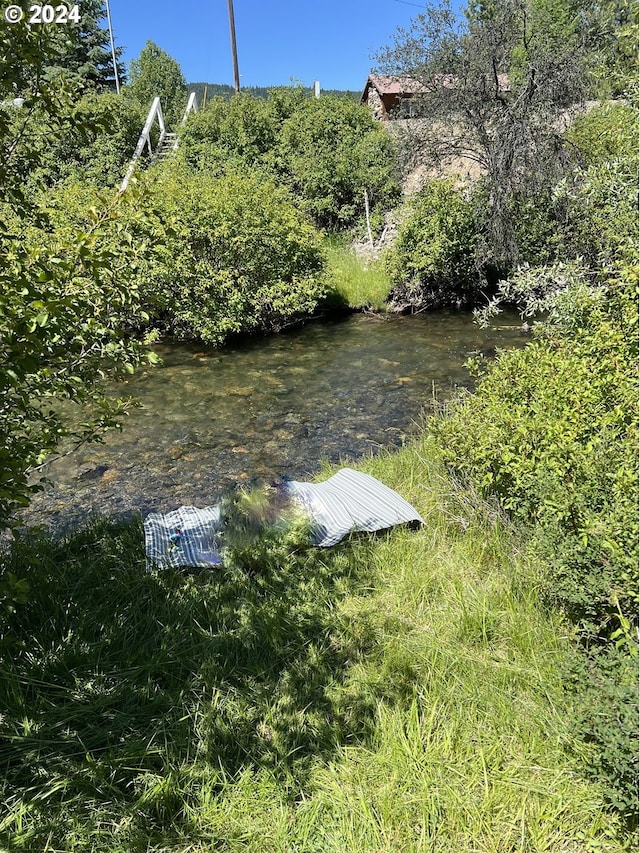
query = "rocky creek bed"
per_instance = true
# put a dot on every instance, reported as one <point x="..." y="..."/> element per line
<point x="211" y="419"/>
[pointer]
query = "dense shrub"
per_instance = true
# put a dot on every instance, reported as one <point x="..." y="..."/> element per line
<point x="94" y="141"/>
<point x="606" y="132"/>
<point x="590" y="212"/>
<point x="69" y="284"/>
<point x="433" y="259"/>
<point x="237" y="256"/>
<point x="237" y="132"/>
<point x="326" y="150"/>
<point x="329" y="151"/>
<point x="552" y="432"/>
<point x="604" y="688"/>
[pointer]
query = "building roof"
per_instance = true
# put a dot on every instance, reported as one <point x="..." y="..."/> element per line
<point x="387" y="85"/>
<point x="405" y="85"/>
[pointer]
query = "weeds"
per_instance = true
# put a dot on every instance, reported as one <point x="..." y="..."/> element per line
<point x="356" y="282"/>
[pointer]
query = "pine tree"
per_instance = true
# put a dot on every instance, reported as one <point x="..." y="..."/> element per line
<point x="82" y="51"/>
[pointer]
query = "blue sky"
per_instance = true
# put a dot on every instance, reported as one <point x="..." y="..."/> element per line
<point x="331" y="41"/>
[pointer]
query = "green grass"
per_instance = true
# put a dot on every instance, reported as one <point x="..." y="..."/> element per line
<point x="395" y="693"/>
<point x="356" y="282"/>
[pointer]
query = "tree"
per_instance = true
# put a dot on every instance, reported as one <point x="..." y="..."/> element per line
<point x="81" y="51"/>
<point x="87" y="56"/>
<point x="155" y="73"/>
<point x="329" y="151"/>
<point x="66" y="291"/>
<point x="494" y="89"/>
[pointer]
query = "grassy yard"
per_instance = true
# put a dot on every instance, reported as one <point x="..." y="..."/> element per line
<point x="356" y="282"/>
<point x="394" y="693"/>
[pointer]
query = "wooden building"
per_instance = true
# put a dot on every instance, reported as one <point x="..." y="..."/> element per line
<point x="399" y="97"/>
<point x="389" y="97"/>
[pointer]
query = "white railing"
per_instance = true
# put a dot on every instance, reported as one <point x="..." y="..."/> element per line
<point x="192" y="106"/>
<point x="155" y="113"/>
<point x="145" y="139"/>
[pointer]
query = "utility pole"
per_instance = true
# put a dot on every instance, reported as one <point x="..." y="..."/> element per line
<point x="113" y="50"/>
<point x="234" y="51"/>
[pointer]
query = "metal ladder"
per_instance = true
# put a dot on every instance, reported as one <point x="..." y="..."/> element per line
<point x="167" y="142"/>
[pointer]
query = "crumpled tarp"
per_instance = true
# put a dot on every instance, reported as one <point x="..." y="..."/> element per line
<point x="349" y="501"/>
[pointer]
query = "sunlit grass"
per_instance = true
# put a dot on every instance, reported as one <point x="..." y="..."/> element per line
<point x="395" y="693"/>
<point x="355" y="281"/>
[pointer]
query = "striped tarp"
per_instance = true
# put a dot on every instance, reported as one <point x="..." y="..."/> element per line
<point x="184" y="537"/>
<point x="350" y="501"/>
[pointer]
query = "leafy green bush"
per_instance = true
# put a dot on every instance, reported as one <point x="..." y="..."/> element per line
<point x="92" y="140"/>
<point x="604" y="688"/>
<point x="592" y="211"/>
<point x="433" y="259"/>
<point x="606" y="132"/>
<point x="329" y="151"/>
<point x="68" y="287"/>
<point x="237" y="132"/>
<point x="602" y="213"/>
<point x="552" y="432"/>
<point x="237" y="256"/>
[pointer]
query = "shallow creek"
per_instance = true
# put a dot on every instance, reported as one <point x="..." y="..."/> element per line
<point x="210" y="419"/>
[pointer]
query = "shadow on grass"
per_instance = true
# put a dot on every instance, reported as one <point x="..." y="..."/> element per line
<point x="112" y="678"/>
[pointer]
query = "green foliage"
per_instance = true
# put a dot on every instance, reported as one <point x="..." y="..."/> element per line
<point x="589" y="210"/>
<point x="237" y="256"/>
<point x="432" y="261"/>
<point x="606" y="132"/>
<point x="493" y="88"/>
<point x="326" y="150"/>
<point x="611" y="35"/>
<point x="65" y="292"/>
<point x="552" y="432"/>
<point x="65" y="295"/>
<point x="331" y="150"/>
<point x="604" y="686"/>
<point x="83" y="51"/>
<point x="92" y="139"/>
<point x="79" y="52"/>
<point x="237" y="133"/>
<point x="156" y="74"/>
<point x="224" y="90"/>
<point x="601" y="198"/>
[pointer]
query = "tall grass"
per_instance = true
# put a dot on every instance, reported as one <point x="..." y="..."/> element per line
<point x="395" y="693"/>
<point x="355" y="281"/>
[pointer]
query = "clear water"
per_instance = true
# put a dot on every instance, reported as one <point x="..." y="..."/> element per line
<point x="211" y="419"/>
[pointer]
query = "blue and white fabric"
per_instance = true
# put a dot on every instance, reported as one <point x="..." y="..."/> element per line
<point x="184" y="537"/>
<point x="350" y="501"/>
<point x="347" y="502"/>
